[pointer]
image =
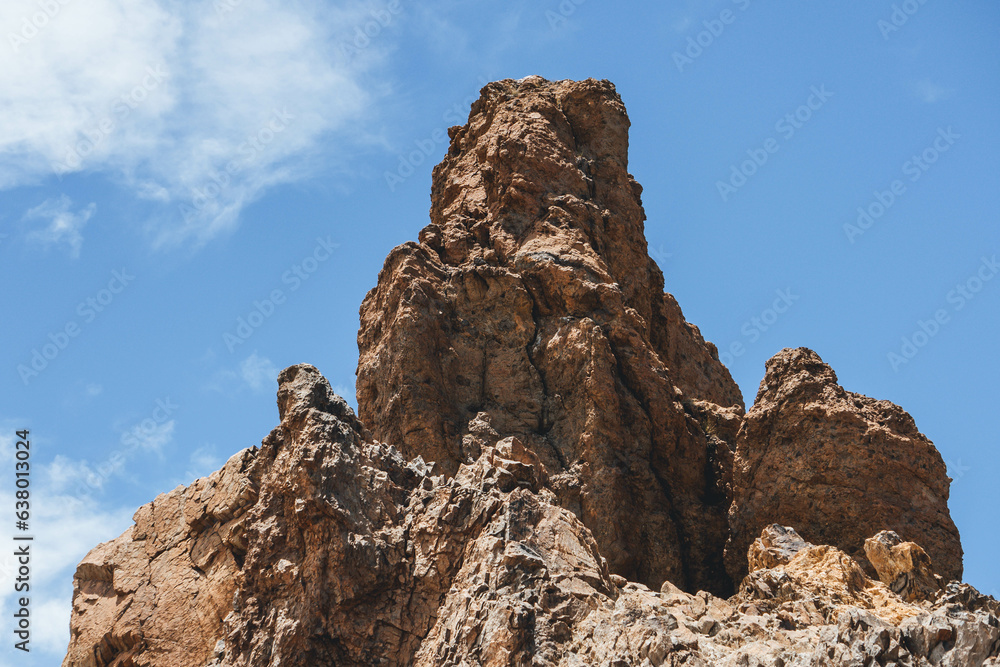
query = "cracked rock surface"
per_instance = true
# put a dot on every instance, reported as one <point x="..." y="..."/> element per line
<point x="838" y="466"/>
<point x="531" y="308"/>
<point x="551" y="467"/>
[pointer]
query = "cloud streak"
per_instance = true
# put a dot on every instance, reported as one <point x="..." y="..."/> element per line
<point x="60" y="224"/>
<point x="170" y="98"/>
<point x="931" y="92"/>
<point x="258" y="372"/>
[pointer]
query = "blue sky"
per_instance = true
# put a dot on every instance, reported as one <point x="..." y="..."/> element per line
<point x="169" y="170"/>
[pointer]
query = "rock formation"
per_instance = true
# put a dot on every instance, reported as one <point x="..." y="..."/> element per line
<point x="551" y="467"/>
<point x="530" y="308"/>
<point x="324" y="548"/>
<point x="163" y="587"/>
<point x="838" y="466"/>
<point x="903" y="566"/>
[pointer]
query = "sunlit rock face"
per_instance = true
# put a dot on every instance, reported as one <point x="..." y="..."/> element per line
<point x="530" y="308"/>
<point x="551" y="467"/>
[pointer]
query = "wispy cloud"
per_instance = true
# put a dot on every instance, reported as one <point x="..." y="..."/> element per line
<point x="59" y="224"/>
<point x="65" y="474"/>
<point x="200" y="107"/>
<point x="65" y="528"/>
<point x="681" y="24"/>
<point x="202" y="462"/>
<point x="931" y="92"/>
<point x="258" y="372"/>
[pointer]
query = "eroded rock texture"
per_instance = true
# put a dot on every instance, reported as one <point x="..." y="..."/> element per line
<point x="838" y="466"/>
<point x="546" y="438"/>
<point x="157" y="594"/>
<point x="325" y="548"/>
<point x="530" y="308"/>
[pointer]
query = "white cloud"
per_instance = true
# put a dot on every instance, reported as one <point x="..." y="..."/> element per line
<point x="65" y="527"/>
<point x="258" y="372"/>
<point x="65" y="474"/>
<point x="60" y="224"/>
<point x="682" y="24"/>
<point x="154" y="438"/>
<point x="931" y="92"/>
<point x="164" y="96"/>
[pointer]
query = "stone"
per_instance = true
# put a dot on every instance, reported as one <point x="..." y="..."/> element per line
<point x="552" y="467"/>
<point x="530" y="308"/>
<point x="333" y="549"/>
<point x="777" y="545"/>
<point x="838" y="466"/>
<point x="903" y="566"/>
<point x="165" y="585"/>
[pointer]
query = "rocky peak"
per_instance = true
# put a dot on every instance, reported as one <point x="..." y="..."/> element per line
<point x="837" y="465"/>
<point x="302" y="390"/>
<point x="558" y="469"/>
<point x="531" y="309"/>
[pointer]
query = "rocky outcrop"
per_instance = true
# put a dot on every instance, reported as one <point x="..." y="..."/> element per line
<point x="838" y="466"/>
<point x="903" y="566"/>
<point x="165" y="585"/>
<point x="552" y="467"/>
<point x="531" y="309"/>
<point x="822" y="609"/>
<point x="323" y="547"/>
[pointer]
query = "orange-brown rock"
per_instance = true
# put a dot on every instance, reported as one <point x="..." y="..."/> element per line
<point x="838" y="466"/>
<point x="159" y="593"/>
<point x="776" y="546"/>
<point x="582" y="438"/>
<point x="903" y="566"/>
<point x="530" y="308"/>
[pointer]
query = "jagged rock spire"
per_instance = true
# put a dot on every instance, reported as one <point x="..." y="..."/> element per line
<point x="531" y="308"/>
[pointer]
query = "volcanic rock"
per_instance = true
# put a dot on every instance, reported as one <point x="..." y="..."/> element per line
<point x="544" y="473"/>
<point x="776" y="546"/>
<point x="838" y="466"/>
<point x="164" y="586"/>
<point x="531" y="309"/>
<point x="324" y="548"/>
<point x="903" y="566"/>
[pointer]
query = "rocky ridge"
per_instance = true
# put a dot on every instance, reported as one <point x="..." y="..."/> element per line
<point x="551" y="466"/>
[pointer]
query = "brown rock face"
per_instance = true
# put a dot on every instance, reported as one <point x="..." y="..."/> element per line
<point x="324" y="548"/>
<point x="531" y="309"/>
<point x="582" y="434"/>
<point x="903" y="566"/>
<point x="838" y="466"/>
<point x="164" y="586"/>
